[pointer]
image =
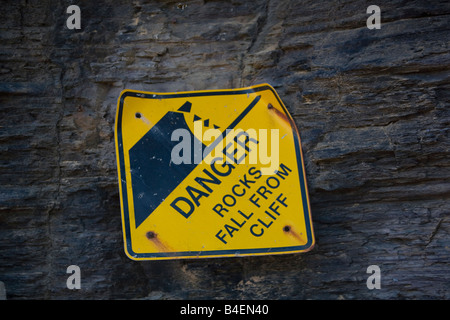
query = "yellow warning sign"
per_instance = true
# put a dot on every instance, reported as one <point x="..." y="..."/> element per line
<point x="210" y="174"/>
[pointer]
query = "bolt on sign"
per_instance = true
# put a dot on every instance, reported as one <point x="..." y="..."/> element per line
<point x="210" y="174"/>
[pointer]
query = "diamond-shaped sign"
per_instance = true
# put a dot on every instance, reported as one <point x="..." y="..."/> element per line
<point x="210" y="174"/>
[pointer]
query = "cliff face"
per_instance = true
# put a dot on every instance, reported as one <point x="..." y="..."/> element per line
<point x="372" y="108"/>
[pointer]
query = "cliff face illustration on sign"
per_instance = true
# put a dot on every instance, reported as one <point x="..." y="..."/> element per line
<point x="210" y="174"/>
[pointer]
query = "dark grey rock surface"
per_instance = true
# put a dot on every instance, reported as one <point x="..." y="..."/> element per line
<point x="372" y="108"/>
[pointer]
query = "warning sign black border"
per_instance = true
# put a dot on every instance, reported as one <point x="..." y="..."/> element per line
<point x="212" y="253"/>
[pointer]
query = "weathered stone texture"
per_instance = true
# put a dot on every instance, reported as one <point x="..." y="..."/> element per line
<point x="372" y="108"/>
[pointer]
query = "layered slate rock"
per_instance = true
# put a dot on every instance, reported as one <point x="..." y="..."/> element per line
<point x="372" y="108"/>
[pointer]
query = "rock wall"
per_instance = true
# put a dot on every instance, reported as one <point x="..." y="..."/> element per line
<point x="372" y="108"/>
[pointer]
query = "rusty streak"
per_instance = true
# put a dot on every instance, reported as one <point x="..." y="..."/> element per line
<point x="153" y="237"/>
<point x="288" y="229"/>
<point x="279" y="114"/>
